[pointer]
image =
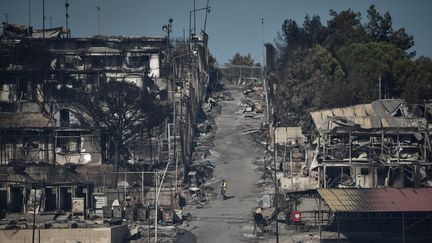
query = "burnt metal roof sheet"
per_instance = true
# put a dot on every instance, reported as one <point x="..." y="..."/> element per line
<point x="103" y="50"/>
<point x="378" y="114"/>
<point x="378" y="199"/>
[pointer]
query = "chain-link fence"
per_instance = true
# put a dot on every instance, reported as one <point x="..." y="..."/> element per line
<point x="233" y="73"/>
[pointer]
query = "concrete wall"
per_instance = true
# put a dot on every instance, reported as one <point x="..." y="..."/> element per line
<point x="369" y="180"/>
<point x="115" y="234"/>
<point x="154" y="66"/>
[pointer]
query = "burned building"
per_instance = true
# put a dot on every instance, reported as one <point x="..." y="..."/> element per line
<point x="37" y="130"/>
<point x="371" y="146"/>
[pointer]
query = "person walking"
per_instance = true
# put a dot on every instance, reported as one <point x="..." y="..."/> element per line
<point x="223" y="189"/>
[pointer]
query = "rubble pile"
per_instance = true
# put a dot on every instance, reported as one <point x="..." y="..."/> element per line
<point x="199" y="190"/>
<point x="254" y="100"/>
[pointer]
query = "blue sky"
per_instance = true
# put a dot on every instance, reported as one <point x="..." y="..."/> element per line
<point x="233" y="25"/>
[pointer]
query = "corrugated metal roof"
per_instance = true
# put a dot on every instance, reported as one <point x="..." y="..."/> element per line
<point x="378" y="199"/>
<point x="378" y="114"/>
<point x="103" y="50"/>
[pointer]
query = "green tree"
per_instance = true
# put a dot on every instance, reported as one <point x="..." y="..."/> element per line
<point x="380" y="28"/>
<point x="332" y="89"/>
<point x="364" y="63"/>
<point x="343" y="29"/>
<point x="339" y="64"/>
<point x="419" y="83"/>
<point x="241" y="60"/>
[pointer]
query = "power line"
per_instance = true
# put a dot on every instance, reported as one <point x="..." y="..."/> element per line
<point x="218" y="49"/>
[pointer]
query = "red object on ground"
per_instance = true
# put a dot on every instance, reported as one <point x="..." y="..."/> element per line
<point x="297" y="216"/>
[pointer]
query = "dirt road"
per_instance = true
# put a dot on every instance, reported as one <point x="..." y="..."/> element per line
<point x="231" y="220"/>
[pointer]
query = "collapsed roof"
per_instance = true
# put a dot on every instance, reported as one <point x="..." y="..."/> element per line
<point x="19" y="31"/>
<point x="378" y="114"/>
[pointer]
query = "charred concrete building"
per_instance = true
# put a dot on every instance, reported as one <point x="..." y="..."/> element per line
<point x="44" y="148"/>
<point x="374" y="145"/>
<point x="368" y="177"/>
<point x="39" y="136"/>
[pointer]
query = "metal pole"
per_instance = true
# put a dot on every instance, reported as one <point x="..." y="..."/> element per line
<point x="194" y="19"/>
<point x="350" y="148"/>
<point x="156" y="205"/>
<point x="34" y="216"/>
<point x="67" y="18"/>
<point x="43" y="19"/>
<point x="379" y="79"/>
<point x="175" y="146"/>
<point x="205" y="20"/>
<point x="142" y="188"/>
<point x="292" y="168"/>
<point x="263" y="47"/>
<point x="98" y="9"/>
<point x="275" y="185"/>
<point x="169" y="140"/>
<point x="125" y="188"/>
<point x="190" y="25"/>
<point x="29" y="13"/>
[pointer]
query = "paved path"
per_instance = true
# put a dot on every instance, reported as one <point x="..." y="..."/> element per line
<point x="229" y="220"/>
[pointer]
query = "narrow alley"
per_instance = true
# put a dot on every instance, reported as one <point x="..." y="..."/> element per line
<point x="230" y="220"/>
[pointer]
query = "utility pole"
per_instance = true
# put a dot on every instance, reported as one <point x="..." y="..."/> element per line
<point x="67" y="18"/>
<point x="263" y="48"/>
<point x="184" y="35"/>
<point x="156" y="205"/>
<point x="29" y="12"/>
<point x="50" y="18"/>
<point x="175" y="143"/>
<point x="34" y="216"/>
<point x="264" y="77"/>
<point x="43" y="19"/>
<point x="168" y="28"/>
<point x="194" y="19"/>
<point x="379" y="80"/>
<point x="207" y="12"/>
<point x="98" y="9"/>
<point x="275" y="184"/>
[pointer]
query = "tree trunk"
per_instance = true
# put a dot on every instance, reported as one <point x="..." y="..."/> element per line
<point x="116" y="161"/>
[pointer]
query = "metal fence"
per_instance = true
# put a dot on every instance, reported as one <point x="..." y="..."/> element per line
<point x="233" y="73"/>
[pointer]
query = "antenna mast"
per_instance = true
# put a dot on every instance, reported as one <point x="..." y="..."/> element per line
<point x="98" y="9"/>
<point x="67" y="18"/>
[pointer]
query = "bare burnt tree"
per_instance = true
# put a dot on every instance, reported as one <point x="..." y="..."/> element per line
<point x="120" y="110"/>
